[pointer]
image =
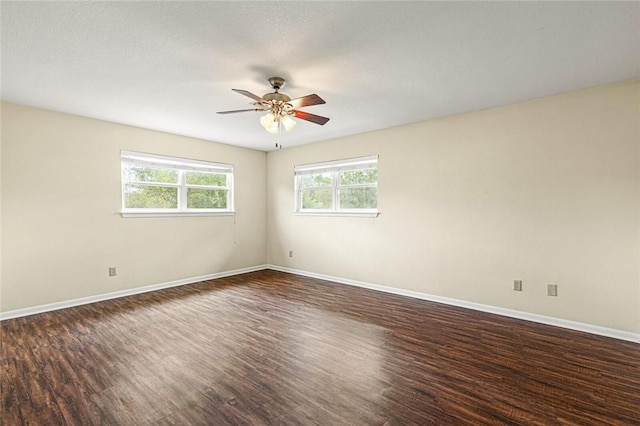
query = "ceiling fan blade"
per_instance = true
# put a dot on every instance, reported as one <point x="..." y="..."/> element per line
<point x="249" y="94"/>
<point x="310" y="117"/>
<point x="307" y="101"/>
<point x="239" y="110"/>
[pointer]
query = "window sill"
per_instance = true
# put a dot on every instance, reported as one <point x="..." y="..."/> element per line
<point x="172" y="214"/>
<point x="339" y="214"/>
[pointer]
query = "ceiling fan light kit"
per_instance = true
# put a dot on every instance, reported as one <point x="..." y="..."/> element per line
<point x="281" y="108"/>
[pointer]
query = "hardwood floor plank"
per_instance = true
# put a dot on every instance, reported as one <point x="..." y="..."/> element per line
<point x="270" y="348"/>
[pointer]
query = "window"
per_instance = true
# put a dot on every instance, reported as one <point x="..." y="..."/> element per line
<point x="343" y="187"/>
<point x="155" y="185"/>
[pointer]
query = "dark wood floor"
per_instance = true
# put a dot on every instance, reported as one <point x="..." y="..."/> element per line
<point x="273" y="348"/>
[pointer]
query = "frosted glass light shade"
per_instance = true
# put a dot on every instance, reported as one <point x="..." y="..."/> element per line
<point x="288" y="122"/>
<point x="274" y="127"/>
<point x="267" y="121"/>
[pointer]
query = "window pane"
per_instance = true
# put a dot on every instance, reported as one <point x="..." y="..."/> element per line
<point x="150" y="197"/>
<point x="316" y="181"/>
<point x="359" y="198"/>
<point x="198" y="198"/>
<point x="317" y="198"/>
<point x="208" y="179"/>
<point x="134" y="173"/>
<point x="358" y="177"/>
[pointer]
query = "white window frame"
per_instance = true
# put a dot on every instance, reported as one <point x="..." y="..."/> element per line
<point x="182" y="165"/>
<point x="334" y="168"/>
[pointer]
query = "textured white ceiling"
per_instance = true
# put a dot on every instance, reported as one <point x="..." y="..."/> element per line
<point x="171" y="65"/>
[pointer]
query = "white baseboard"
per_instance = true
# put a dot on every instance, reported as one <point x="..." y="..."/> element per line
<point x="122" y="293"/>
<point x="578" y="326"/>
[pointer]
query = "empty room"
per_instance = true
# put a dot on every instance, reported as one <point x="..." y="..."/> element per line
<point x="320" y="213"/>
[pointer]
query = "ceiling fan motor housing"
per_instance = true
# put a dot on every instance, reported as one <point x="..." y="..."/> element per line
<point x="276" y="97"/>
<point x="276" y="82"/>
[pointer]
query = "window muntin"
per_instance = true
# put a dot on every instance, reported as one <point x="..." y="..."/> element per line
<point x="153" y="184"/>
<point x="338" y="187"/>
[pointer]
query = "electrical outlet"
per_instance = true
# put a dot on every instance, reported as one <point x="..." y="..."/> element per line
<point x="517" y="285"/>
<point x="290" y="253"/>
<point x="112" y="271"/>
<point x="552" y="289"/>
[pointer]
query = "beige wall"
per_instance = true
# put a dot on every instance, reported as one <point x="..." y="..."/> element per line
<point x="61" y="229"/>
<point x="546" y="191"/>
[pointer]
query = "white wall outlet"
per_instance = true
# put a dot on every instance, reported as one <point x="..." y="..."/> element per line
<point x="552" y="289"/>
<point x="517" y="285"/>
<point x="290" y="253"/>
<point x="112" y="271"/>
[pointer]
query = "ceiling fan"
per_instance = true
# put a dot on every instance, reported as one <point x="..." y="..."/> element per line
<point x="280" y="107"/>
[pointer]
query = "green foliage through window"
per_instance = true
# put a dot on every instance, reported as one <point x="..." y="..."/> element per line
<point x="207" y="179"/>
<point x="317" y="181"/>
<point x="317" y="198"/>
<point x="136" y="173"/>
<point x="359" y="177"/>
<point x="198" y="198"/>
<point x="150" y="197"/>
<point x="359" y="198"/>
